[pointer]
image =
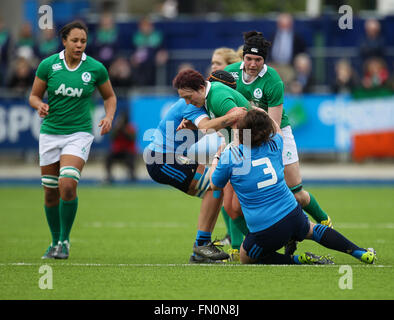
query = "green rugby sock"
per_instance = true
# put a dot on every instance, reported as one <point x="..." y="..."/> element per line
<point x="241" y="225"/>
<point x="314" y="210"/>
<point x="68" y="211"/>
<point x="226" y="219"/>
<point x="236" y="236"/>
<point x="53" y="219"/>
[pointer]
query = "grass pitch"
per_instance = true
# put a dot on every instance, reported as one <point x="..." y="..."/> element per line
<point x="135" y="242"/>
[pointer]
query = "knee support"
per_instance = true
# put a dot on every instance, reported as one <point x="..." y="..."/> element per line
<point x="202" y="182"/>
<point x="50" y="181"/>
<point x="70" y="172"/>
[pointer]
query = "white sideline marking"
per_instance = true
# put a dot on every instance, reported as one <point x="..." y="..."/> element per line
<point x="174" y="224"/>
<point x="176" y="265"/>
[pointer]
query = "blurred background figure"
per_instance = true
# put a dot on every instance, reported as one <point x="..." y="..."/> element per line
<point x="21" y="76"/>
<point x="184" y="66"/>
<point x="106" y="40"/>
<point x="373" y="43"/>
<point x="222" y="57"/>
<point x="286" y="44"/>
<point x="48" y="44"/>
<point x="169" y="9"/>
<point x="149" y="52"/>
<point x="123" y="147"/>
<point x="346" y="78"/>
<point x="303" y="81"/>
<point x="121" y="74"/>
<point x="5" y="40"/>
<point x="376" y="73"/>
<point x="25" y="45"/>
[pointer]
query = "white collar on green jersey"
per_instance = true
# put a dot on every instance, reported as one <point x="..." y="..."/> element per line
<point x="207" y="88"/>
<point x="261" y="73"/>
<point x="61" y="56"/>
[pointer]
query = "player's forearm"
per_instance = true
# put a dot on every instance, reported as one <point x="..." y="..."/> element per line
<point x="275" y="123"/>
<point x="217" y="123"/>
<point x="35" y="101"/>
<point x="110" y="107"/>
<point x="276" y="113"/>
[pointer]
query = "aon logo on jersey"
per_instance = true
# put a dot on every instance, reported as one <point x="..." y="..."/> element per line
<point x="70" y="92"/>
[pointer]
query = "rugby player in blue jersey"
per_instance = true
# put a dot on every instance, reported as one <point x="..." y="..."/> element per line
<point x="256" y="172"/>
<point x="167" y="163"/>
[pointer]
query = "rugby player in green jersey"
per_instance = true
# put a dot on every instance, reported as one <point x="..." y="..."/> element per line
<point x="70" y="78"/>
<point x="262" y="85"/>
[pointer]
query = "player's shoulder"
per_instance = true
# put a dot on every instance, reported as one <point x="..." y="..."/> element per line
<point x="234" y="67"/>
<point x="93" y="62"/>
<point x="273" y="74"/>
<point x="216" y="85"/>
<point x="52" y="59"/>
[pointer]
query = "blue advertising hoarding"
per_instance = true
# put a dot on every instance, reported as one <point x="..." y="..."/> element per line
<point x="20" y="126"/>
<point x="320" y="123"/>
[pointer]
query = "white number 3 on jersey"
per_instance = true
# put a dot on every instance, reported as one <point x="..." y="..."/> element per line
<point x="269" y="170"/>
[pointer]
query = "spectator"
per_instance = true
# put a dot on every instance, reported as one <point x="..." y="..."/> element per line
<point x="303" y="79"/>
<point x="346" y="79"/>
<point x="123" y="147"/>
<point x="22" y="76"/>
<point x="121" y="74"/>
<point x="222" y="57"/>
<point x="286" y="44"/>
<point x="5" y="40"/>
<point x="106" y="40"/>
<point x="48" y="45"/>
<point x="376" y="73"/>
<point x="149" y="53"/>
<point x="373" y="44"/>
<point x="26" y="44"/>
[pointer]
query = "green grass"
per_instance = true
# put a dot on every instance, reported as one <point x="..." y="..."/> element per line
<point x="134" y="243"/>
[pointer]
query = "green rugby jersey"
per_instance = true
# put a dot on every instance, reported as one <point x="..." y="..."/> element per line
<point x="221" y="98"/>
<point x="70" y="93"/>
<point x="266" y="91"/>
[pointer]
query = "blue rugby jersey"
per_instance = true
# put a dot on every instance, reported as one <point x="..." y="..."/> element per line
<point x="166" y="139"/>
<point x="257" y="176"/>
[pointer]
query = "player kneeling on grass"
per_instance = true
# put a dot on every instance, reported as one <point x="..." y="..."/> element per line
<point x="255" y="170"/>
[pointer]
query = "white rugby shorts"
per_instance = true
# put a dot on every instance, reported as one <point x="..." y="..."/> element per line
<point x="52" y="146"/>
<point x="289" y="154"/>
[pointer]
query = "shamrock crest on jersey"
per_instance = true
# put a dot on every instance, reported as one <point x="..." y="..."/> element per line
<point x="86" y="77"/>
<point x="257" y="93"/>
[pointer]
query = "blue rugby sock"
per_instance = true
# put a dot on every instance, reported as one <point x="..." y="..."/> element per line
<point x="203" y="237"/>
<point x="332" y="239"/>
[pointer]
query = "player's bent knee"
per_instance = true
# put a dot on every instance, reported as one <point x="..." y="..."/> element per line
<point x="302" y="198"/>
<point x="203" y="182"/>
<point x="243" y="256"/>
<point x="51" y="196"/>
